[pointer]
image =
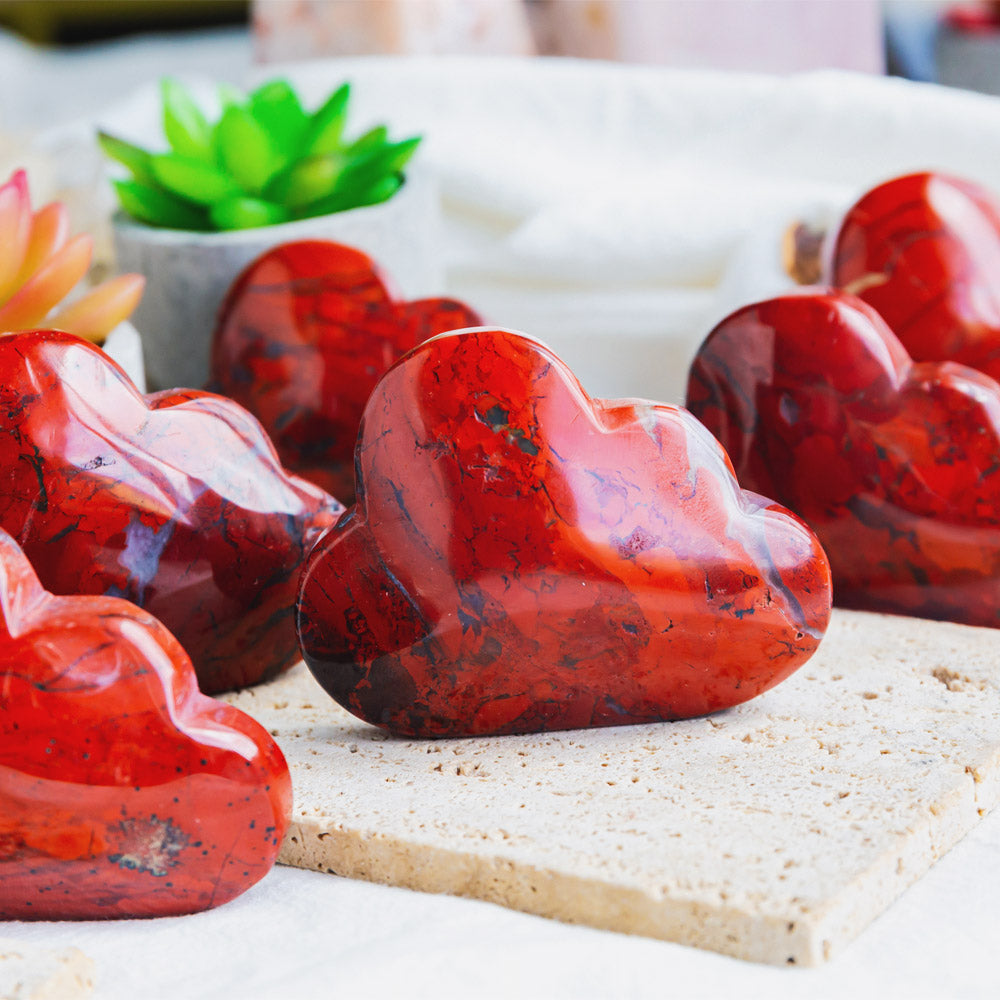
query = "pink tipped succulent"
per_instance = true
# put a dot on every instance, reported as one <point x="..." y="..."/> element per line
<point x="40" y="265"/>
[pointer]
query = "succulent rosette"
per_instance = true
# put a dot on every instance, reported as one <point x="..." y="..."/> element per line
<point x="41" y="265"/>
<point x="264" y="161"/>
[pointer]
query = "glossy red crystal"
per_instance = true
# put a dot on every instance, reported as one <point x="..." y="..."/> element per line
<point x="124" y="792"/>
<point x="303" y="336"/>
<point x="524" y="558"/>
<point x="175" y="501"/>
<point x="894" y="464"/>
<point x="924" y="251"/>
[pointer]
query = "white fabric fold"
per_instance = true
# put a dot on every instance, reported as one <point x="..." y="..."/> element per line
<point x="590" y="203"/>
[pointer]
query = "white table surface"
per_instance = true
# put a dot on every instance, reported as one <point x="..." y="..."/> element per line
<point x="543" y="169"/>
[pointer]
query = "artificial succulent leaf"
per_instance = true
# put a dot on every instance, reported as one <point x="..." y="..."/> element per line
<point x="355" y="195"/>
<point x="156" y="207"/>
<point x="49" y="232"/>
<point x="365" y="169"/>
<point x="326" y="126"/>
<point x="48" y="286"/>
<point x="306" y="181"/>
<point x="192" y="180"/>
<point x="136" y="159"/>
<point x="244" y="149"/>
<point x="95" y="314"/>
<point x="15" y="225"/>
<point x="247" y="213"/>
<point x="372" y="139"/>
<point x="278" y="109"/>
<point x="185" y="126"/>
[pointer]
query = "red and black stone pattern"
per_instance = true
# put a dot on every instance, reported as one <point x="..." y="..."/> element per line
<point x="175" y="501"/>
<point x="524" y="558"/>
<point x="124" y="792"/>
<point x="303" y="336"/>
<point x="924" y="251"/>
<point x="894" y="464"/>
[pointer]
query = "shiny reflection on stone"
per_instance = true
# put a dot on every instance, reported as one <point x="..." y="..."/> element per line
<point x="924" y="251"/>
<point x="523" y="558"/>
<point x="124" y="792"/>
<point x="303" y="336"/>
<point x="175" y="501"/>
<point x="894" y="464"/>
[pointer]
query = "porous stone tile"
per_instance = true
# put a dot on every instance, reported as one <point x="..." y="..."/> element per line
<point x="774" y="832"/>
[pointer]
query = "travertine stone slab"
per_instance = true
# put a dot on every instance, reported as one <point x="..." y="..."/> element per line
<point x="773" y="832"/>
<point x="33" y="972"/>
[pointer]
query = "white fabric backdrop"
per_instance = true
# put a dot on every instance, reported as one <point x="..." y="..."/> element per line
<point x="619" y="212"/>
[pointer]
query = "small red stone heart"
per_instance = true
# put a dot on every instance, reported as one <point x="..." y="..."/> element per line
<point x="303" y="336"/>
<point x="175" y="501"/>
<point x="894" y="464"/>
<point x="522" y="557"/>
<point x="924" y="250"/>
<point x="124" y="792"/>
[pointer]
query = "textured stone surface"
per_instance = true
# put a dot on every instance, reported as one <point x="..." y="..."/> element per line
<point x="303" y="336"/>
<point x="893" y="464"/>
<point x="175" y="501"/>
<point x="775" y="831"/>
<point x="31" y="972"/>
<point x="924" y="250"/>
<point x="524" y="558"/>
<point x="124" y="792"/>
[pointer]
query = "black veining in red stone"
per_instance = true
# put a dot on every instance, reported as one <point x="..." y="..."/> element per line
<point x="303" y="336"/>
<point x="175" y="501"/>
<point x="895" y="464"/>
<point x="522" y="557"/>
<point x="124" y="792"/>
<point x="924" y="251"/>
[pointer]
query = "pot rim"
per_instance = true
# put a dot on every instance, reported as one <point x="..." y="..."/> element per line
<point x="130" y="228"/>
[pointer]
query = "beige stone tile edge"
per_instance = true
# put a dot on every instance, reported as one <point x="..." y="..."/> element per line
<point x="872" y="891"/>
<point x="546" y="893"/>
<point x="799" y="937"/>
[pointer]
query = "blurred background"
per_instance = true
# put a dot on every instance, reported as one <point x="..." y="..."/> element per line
<point x="546" y="213"/>
<point x="93" y="51"/>
<point x="953" y="42"/>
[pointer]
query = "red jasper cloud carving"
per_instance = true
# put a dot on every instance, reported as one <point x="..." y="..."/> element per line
<point x="124" y="792"/>
<point x="522" y="557"/>
<point x="175" y="501"/>
<point x="924" y="251"/>
<point x="303" y="336"/>
<point x="894" y="464"/>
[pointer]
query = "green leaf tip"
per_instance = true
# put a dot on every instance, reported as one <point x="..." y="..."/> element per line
<point x="263" y="161"/>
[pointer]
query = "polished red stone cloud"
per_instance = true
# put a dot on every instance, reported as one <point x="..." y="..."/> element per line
<point x="175" y="501"/>
<point x="124" y="792"/>
<point x="894" y="464"/>
<point x="924" y="251"/>
<point x="303" y="336"/>
<point x="524" y="558"/>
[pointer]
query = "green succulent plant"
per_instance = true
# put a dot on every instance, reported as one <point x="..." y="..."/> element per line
<point x="266" y="160"/>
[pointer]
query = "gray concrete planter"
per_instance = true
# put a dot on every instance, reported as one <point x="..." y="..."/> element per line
<point x="188" y="274"/>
